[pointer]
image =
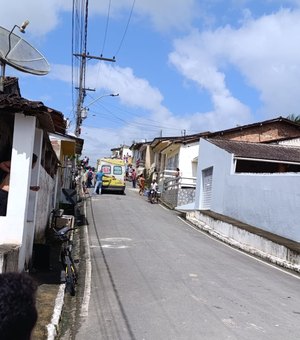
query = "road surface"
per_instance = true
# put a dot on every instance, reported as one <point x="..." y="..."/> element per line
<point x="155" y="277"/>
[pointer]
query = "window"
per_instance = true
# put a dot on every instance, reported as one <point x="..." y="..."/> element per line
<point x="106" y="169"/>
<point x="117" y="170"/>
<point x="248" y="166"/>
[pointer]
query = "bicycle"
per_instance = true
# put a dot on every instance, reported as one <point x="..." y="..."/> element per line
<point x="67" y="259"/>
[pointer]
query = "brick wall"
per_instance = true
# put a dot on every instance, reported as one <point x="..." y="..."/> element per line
<point x="263" y="133"/>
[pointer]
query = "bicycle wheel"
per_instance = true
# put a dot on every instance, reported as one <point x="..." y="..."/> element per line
<point x="152" y="197"/>
<point x="70" y="282"/>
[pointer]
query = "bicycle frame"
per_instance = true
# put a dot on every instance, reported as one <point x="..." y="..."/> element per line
<point x="66" y="259"/>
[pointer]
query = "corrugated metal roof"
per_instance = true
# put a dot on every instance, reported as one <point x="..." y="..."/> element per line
<point x="259" y="150"/>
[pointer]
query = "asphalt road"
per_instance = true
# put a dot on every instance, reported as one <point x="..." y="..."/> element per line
<point x="155" y="277"/>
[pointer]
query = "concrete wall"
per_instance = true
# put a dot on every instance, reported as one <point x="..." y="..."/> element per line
<point x="45" y="204"/>
<point x="177" y="197"/>
<point x="186" y="155"/>
<point x="267" y="201"/>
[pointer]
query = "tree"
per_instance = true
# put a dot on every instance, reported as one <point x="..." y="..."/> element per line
<point x="294" y="118"/>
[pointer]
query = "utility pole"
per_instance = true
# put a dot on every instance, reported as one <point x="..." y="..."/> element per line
<point x="81" y="86"/>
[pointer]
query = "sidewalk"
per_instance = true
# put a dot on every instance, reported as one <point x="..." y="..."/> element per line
<point x="50" y="294"/>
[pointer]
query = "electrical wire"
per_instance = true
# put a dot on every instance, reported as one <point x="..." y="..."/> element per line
<point x="132" y="115"/>
<point x="126" y="29"/>
<point x="149" y="127"/>
<point x="106" y="27"/>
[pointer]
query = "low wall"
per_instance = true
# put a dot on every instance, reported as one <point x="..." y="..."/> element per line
<point x="271" y="247"/>
<point x="178" y="196"/>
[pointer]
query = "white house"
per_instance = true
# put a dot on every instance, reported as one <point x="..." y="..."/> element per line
<point x="255" y="183"/>
<point x="24" y="130"/>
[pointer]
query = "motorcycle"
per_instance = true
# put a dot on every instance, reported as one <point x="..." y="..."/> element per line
<point x="153" y="196"/>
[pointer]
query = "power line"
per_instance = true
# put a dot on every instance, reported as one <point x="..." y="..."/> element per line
<point x="106" y="27"/>
<point x="126" y="28"/>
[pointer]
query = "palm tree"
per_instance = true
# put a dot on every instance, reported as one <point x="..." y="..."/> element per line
<point x="294" y="118"/>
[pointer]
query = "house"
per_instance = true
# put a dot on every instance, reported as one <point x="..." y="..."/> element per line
<point x="261" y="132"/>
<point x="142" y="158"/>
<point x="277" y="131"/>
<point x="24" y="129"/>
<point x="122" y="152"/>
<point x="254" y="183"/>
<point x="171" y="153"/>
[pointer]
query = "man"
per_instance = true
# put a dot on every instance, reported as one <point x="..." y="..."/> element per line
<point x="99" y="179"/>
<point x="18" y="314"/>
<point x="133" y="178"/>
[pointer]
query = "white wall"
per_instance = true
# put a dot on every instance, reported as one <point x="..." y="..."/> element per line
<point x="15" y="222"/>
<point x="267" y="201"/>
<point x="186" y="155"/>
<point x="45" y="204"/>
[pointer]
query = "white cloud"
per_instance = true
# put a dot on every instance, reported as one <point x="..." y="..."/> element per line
<point x="43" y="16"/>
<point x="134" y="91"/>
<point x="164" y="15"/>
<point x="265" y="52"/>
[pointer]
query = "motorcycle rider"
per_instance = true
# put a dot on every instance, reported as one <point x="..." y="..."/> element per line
<point x="153" y="187"/>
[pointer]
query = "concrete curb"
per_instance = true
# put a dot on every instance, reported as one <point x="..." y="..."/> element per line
<point x="52" y="328"/>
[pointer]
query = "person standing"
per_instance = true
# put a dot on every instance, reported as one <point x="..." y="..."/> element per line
<point x="133" y="178"/>
<point x="141" y="184"/>
<point x="90" y="176"/>
<point x="99" y="180"/>
<point x="177" y="176"/>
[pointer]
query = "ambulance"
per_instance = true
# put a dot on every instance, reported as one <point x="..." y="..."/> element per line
<point x="114" y="175"/>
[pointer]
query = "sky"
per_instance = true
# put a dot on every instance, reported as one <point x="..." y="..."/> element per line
<point x="181" y="66"/>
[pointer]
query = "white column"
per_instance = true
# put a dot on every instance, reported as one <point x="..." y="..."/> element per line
<point x="14" y="223"/>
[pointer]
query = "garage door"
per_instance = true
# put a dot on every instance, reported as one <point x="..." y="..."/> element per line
<point x="206" y="188"/>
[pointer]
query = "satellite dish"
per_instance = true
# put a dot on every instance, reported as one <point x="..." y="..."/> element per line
<point x="19" y="54"/>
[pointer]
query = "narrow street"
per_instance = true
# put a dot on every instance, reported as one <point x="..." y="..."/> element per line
<point x="156" y="277"/>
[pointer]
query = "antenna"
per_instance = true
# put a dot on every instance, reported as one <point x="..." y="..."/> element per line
<point x="19" y="54"/>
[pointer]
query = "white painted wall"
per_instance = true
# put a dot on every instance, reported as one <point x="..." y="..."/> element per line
<point x="20" y="176"/>
<point x="267" y="201"/>
<point x="45" y="204"/>
<point x="186" y="155"/>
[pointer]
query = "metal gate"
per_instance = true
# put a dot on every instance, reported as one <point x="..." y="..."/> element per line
<point x="206" y="194"/>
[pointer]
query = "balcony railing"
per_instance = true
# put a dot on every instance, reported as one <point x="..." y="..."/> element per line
<point x="168" y="181"/>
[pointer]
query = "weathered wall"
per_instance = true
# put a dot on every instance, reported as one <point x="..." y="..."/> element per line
<point x="178" y="197"/>
<point x="44" y="205"/>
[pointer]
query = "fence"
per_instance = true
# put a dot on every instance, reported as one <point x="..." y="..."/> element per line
<point x="176" y="191"/>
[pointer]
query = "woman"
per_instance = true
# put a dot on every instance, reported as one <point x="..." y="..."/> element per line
<point x="141" y="184"/>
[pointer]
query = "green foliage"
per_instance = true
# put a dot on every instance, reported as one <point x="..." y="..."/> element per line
<point x="294" y="118"/>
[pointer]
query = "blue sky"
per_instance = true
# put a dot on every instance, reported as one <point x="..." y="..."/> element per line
<point x="193" y="65"/>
